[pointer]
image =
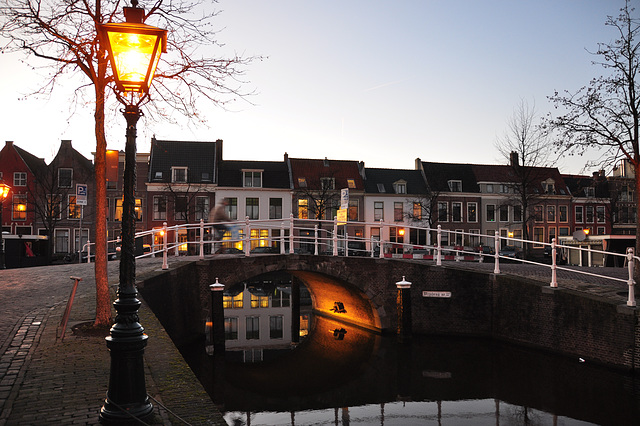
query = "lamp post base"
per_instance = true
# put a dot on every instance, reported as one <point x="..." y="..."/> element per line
<point x="127" y="399"/>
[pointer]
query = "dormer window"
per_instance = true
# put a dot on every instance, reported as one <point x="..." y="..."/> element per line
<point x="549" y="187"/>
<point x="400" y="187"/>
<point x="206" y="177"/>
<point x="179" y="174"/>
<point x="327" y="183"/>
<point x="157" y="176"/>
<point x="381" y="187"/>
<point x="252" y="178"/>
<point x="455" y="185"/>
<point x="302" y="182"/>
<point x="590" y="192"/>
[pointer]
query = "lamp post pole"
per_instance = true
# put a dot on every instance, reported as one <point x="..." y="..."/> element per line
<point x="127" y="394"/>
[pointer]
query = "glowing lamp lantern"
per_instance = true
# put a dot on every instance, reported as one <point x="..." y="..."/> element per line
<point x="135" y="49"/>
<point x="4" y="191"/>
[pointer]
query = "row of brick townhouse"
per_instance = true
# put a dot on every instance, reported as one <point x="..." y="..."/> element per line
<point x="180" y="182"/>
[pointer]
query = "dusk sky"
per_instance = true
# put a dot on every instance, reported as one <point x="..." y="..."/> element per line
<point x="382" y="82"/>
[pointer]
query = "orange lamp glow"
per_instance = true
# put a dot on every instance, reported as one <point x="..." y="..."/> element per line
<point x="401" y="232"/>
<point x="4" y="191"/>
<point x="586" y="231"/>
<point x="134" y="48"/>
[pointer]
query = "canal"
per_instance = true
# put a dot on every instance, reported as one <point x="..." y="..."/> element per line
<point x="339" y="374"/>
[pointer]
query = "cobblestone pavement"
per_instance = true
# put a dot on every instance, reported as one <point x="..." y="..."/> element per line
<point x="45" y="380"/>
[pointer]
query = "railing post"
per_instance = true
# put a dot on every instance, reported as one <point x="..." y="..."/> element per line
<point x="381" y="254"/>
<point x="291" y="233"/>
<point x="165" y="265"/>
<point x="281" y="237"/>
<point x="247" y="237"/>
<point x="153" y="242"/>
<point x="315" y="231"/>
<point x="631" y="301"/>
<point x="176" y="248"/>
<point x="554" y="266"/>
<point x="88" y="250"/>
<point x="201" y="238"/>
<point x="496" y="245"/>
<point x="439" y="248"/>
<point x="371" y="245"/>
<point x="346" y="244"/>
<point x="335" y="236"/>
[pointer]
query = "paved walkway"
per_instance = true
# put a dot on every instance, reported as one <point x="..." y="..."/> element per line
<point x="48" y="381"/>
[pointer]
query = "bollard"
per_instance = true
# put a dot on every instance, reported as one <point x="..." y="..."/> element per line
<point x="403" y="306"/>
<point x="217" y="317"/>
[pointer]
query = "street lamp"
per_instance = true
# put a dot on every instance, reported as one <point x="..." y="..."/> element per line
<point x="4" y="191"/>
<point x="134" y="49"/>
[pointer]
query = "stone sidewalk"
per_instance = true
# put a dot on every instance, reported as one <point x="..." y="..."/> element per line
<point x="48" y="381"/>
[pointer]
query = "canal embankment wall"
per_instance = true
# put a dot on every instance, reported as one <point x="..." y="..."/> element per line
<point x="445" y="300"/>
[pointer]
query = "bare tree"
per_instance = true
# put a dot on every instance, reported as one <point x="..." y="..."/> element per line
<point x="63" y="34"/>
<point x="605" y="114"/>
<point x="526" y="148"/>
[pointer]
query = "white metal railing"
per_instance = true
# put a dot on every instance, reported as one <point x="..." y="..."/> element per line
<point x="323" y="237"/>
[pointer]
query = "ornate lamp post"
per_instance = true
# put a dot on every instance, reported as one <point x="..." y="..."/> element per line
<point x="134" y="50"/>
<point x="4" y="191"/>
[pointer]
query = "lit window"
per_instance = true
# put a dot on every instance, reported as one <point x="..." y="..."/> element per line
<point x="19" y="207"/>
<point x="302" y="182"/>
<point x="75" y="211"/>
<point x="351" y="183"/>
<point x="303" y="209"/>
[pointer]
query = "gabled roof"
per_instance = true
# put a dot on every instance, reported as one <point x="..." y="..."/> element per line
<point x="34" y="163"/>
<point x="380" y="181"/>
<point x="275" y="174"/>
<point x="198" y="157"/>
<point x="313" y="170"/>
<point x="439" y="174"/>
<point x="577" y="184"/>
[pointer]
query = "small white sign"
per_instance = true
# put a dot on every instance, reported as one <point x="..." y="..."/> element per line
<point x="440" y="294"/>
<point x="344" y="198"/>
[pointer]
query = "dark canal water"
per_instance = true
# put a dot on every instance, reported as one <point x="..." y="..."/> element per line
<point x="341" y="375"/>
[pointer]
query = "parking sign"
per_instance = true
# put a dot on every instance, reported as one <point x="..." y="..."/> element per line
<point x="81" y="194"/>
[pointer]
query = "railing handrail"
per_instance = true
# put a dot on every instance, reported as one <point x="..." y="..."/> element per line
<point x="326" y="233"/>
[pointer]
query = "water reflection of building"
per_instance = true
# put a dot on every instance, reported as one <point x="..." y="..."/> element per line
<point x="259" y="317"/>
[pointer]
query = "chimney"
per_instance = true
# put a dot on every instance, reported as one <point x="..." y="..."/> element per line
<point x="8" y="143"/>
<point x="513" y="159"/>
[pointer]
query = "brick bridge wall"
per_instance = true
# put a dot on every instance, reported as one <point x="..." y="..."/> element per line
<point x="503" y="307"/>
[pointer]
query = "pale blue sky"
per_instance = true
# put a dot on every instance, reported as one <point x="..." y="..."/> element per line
<point x="377" y="81"/>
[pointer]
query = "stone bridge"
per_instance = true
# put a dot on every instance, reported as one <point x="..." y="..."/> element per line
<point x="445" y="300"/>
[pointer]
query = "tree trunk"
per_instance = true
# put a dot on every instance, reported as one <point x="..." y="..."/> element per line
<point x="103" y="300"/>
<point x="636" y="169"/>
